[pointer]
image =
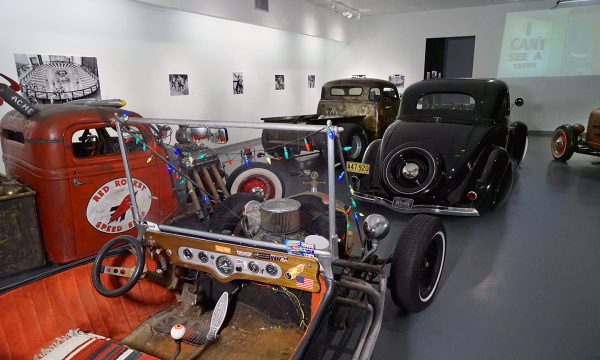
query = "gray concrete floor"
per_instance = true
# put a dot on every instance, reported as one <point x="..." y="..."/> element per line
<point x="521" y="282"/>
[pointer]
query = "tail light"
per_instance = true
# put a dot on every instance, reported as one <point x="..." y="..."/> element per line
<point x="471" y="196"/>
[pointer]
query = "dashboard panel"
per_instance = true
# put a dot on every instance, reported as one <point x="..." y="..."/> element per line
<point x="227" y="262"/>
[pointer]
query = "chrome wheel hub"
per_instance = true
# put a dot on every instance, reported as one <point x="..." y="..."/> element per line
<point x="410" y="171"/>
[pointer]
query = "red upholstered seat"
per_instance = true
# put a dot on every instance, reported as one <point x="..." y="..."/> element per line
<point x="33" y="315"/>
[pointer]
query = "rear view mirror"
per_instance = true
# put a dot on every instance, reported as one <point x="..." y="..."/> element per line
<point x="218" y="135"/>
<point x="519" y="102"/>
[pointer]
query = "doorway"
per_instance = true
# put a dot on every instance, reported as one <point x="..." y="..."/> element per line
<point x="450" y="57"/>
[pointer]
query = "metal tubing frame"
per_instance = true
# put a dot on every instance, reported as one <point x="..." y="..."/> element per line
<point x="324" y="257"/>
<point x="134" y="207"/>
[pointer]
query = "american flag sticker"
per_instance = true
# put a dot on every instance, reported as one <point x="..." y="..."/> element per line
<point x="302" y="283"/>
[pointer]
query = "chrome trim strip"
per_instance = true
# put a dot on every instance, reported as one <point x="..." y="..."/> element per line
<point x="417" y="209"/>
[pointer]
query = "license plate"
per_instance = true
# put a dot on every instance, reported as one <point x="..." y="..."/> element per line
<point x="358" y="168"/>
<point x="402" y="203"/>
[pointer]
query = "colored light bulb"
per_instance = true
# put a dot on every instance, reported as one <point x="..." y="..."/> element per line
<point x="144" y="147"/>
<point x="137" y="140"/>
<point x="338" y="164"/>
<point x="170" y="169"/>
<point x="205" y="199"/>
<point x="353" y="203"/>
<point x="201" y="156"/>
<point x="306" y="145"/>
<point x="347" y="148"/>
<point x="229" y="161"/>
<point x="176" y="152"/>
<point x="356" y="216"/>
<point x="149" y="159"/>
<point x="246" y="161"/>
<point x="269" y="159"/>
<point x="285" y="153"/>
<point x="341" y="176"/>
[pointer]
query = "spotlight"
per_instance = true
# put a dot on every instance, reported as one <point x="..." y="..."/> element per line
<point x="345" y="10"/>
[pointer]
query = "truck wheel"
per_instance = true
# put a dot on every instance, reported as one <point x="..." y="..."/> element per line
<point x="417" y="263"/>
<point x="563" y="143"/>
<point x="258" y="178"/>
<point x="354" y="136"/>
<point x="227" y="215"/>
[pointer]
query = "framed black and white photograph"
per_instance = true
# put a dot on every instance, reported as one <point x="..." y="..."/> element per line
<point x="178" y="84"/>
<point x="238" y="83"/>
<point x="398" y="80"/>
<point x="279" y="82"/>
<point x="49" y="79"/>
<point x="311" y="81"/>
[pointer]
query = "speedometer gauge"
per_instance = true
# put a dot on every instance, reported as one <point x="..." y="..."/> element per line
<point x="224" y="265"/>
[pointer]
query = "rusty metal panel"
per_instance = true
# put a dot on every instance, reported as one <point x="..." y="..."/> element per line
<point x="593" y="130"/>
<point x="20" y="243"/>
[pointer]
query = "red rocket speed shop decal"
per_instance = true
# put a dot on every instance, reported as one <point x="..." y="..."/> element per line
<point x="109" y="209"/>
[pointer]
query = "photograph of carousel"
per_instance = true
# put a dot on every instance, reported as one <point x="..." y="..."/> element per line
<point x="48" y="79"/>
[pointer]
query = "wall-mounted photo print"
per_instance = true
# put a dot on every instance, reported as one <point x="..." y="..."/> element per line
<point x="48" y="79"/>
<point x="179" y="84"/>
<point x="238" y="83"/>
<point x="279" y="82"/>
<point x="397" y="80"/>
<point x="311" y="81"/>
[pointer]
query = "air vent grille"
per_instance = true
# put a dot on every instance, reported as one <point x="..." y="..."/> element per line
<point x="261" y="5"/>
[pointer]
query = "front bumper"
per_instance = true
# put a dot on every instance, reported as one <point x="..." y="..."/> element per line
<point x="416" y="209"/>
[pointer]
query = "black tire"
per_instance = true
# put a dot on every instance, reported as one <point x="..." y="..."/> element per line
<point x="227" y="215"/>
<point x="417" y="263"/>
<point x="354" y="136"/>
<point x="563" y="143"/>
<point x="268" y="179"/>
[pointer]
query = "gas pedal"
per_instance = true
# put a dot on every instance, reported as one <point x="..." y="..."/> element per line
<point x="218" y="317"/>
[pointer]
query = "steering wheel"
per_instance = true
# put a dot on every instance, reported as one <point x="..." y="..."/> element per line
<point x="133" y="274"/>
<point x="90" y="142"/>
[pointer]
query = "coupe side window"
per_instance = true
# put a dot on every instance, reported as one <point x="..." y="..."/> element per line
<point x="446" y="101"/>
<point x="100" y="141"/>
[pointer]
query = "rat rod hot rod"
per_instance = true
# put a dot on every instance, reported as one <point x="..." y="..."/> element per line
<point x="570" y="139"/>
<point x="260" y="282"/>
<point x="453" y="150"/>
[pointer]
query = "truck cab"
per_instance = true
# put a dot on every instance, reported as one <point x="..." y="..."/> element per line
<point x="363" y="107"/>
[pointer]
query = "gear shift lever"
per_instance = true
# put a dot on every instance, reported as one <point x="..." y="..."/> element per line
<point x="177" y="332"/>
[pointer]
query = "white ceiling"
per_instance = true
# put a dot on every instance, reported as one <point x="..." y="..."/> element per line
<point x="375" y="7"/>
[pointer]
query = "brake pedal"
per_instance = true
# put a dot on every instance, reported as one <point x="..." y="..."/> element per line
<point x="218" y="317"/>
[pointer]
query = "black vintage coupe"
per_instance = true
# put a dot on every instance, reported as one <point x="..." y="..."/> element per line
<point x="453" y="150"/>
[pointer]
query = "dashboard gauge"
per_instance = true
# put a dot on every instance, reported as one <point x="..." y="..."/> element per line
<point x="253" y="267"/>
<point x="187" y="253"/>
<point x="271" y="269"/>
<point x="203" y="257"/>
<point x="224" y="265"/>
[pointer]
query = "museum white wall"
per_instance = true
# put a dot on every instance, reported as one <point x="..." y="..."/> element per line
<point x="302" y="17"/>
<point x="395" y="44"/>
<point x="137" y="46"/>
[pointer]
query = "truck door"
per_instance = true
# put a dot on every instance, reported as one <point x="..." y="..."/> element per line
<point x="100" y="202"/>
